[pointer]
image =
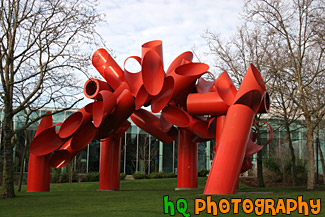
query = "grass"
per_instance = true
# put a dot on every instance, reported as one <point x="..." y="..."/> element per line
<point x="136" y="198"/>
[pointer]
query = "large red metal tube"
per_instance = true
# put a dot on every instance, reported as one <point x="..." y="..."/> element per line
<point x="162" y="99"/>
<point x="179" y="60"/>
<point x="108" y="68"/>
<point x="39" y="173"/>
<point x="103" y="106"/>
<point x="209" y="103"/>
<point x="225" y="88"/>
<point x="153" y="74"/>
<point x="251" y="86"/>
<point x="39" y="169"/>
<point x="46" y="141"/>
<point x="229" y="158"/>
<point x="110" y="155"/>
<point x="93" y="86"/>
<point x="220" y="122"/>
<point x="74" y="145"/>
<point x="125" y="107"/>
<point x="187" y="160"/>
<point x="151" y="124"/>
<point x="183" y="83"/>
<point x="182" y="119"/>
<point x="133" y="79"/>
<point x="75" y="121"/>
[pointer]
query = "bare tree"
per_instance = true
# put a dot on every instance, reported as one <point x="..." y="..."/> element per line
<point x="42" y="42"/>
<point x="235" y="55"/>
<point x="285" y="39"/>
<point x="296" y="25"/>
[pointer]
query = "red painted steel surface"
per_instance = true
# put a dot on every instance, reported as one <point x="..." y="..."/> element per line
<point x="187" y="160"/>
<point x="75" y="121"/>
<point x="108" y="68"/>
<point x="103" y="106"/>
<point x="39" y="170"/>
<point x="229" y="158"/>
<point x="110" y="154"/>
<point x="93" y="86"/>
<point x="124" y="109"/>
<point x="201" y="109"/>
<point x="45" y="142"/>
<point x="151" y="124"/>
<point x="206" y="103"/>
<point x="133" y="79"/>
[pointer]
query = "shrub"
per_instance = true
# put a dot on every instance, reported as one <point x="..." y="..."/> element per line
<point x="169" y="175"/>
<point x="122" y="176"/>
<point x="92" y="177"/>
<point x="203" y="173"/>
<point x="55" y="176"/>
<point x="160" y="175"/>
<point x="273" y="165"/>
<point x="139" y="175"/>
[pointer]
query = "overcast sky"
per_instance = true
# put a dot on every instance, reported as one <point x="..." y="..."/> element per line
<point x="178" y="23"/>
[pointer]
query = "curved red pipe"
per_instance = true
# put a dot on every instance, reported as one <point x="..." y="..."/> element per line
<point x="209" y="103"/>
<point x="229" y="158"/>
<point x="93" y="86"/>
<point x="142" y="98"/>
<point x="151" y="124"/>
<point x="45" y="142"/>
<point x="39" y="170"/>
<point x="153" y="74"/>
<point x="251" y="88"/>
<point x="187" y="160"/>
<point x="73" y="146"/>
<point x="155" y="45"/>
<point x="110" y="156"/>
<point x="124" y="108"/>
<point x="103" y="106"/>
<point x="108" y="68"/>
<point x="182" y="119"/>
<point x="134" y="80"/>
<point x="75" y="120"/>
<point x="188" y="56"/>
<point x="162" y="99"/>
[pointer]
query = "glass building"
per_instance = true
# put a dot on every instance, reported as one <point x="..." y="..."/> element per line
<point x="142" y="152"/>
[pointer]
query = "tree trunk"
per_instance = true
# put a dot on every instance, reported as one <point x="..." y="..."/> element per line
<point x="21" y="173"/>
<point x="260" y="180"/>
<point x="311" y="161"/>
<point x="7" y="174"/>
<point x="322" y="162"/>
<point x="292" y="155"/>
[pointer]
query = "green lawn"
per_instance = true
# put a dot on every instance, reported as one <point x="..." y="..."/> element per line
<point x="136" y="198"/>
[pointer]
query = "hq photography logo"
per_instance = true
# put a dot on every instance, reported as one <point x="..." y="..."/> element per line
<point x="258" y="206"/>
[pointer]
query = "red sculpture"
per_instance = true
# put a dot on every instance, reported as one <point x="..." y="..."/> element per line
<point x="192" y="107"/>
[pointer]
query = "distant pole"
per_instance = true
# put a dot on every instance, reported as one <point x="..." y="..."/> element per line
<point x="161" y="152"/>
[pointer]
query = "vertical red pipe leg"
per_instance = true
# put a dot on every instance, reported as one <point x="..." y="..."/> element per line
<point x="39" y="173"/>
<point x="187" y="160"/>
<point x="229" y="158"/>
<point x="110" y="155"/>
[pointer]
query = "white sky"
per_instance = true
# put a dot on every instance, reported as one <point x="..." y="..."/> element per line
<point x="178" y="23"/>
